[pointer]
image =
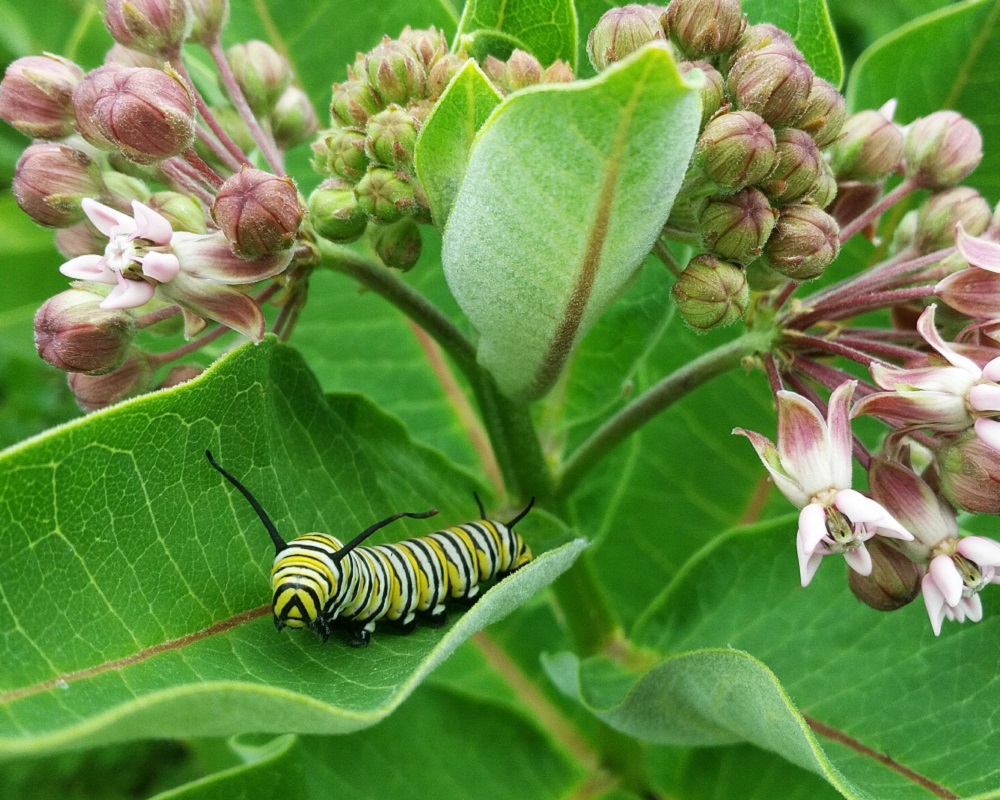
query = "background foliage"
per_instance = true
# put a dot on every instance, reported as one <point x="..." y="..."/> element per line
<point x="120" y="548"/>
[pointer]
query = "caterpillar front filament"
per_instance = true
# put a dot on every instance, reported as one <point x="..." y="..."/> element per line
<point x="319" y="582"/>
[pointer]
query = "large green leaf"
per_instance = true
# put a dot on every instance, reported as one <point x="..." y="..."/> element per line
<point x="133" y="577"/>
<point x="545" y="28"/>
<point x="538" y="246"/>
<point x="946" y="59"/>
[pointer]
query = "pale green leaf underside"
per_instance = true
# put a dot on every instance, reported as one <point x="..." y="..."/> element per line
<point x="545" y="28"/>
<point x="567" y="188"/>
<point x="123" y="548"/>
<point x="446" y="138"/>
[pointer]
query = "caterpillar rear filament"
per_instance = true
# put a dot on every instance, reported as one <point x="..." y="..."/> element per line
<point x="319" y="582"/>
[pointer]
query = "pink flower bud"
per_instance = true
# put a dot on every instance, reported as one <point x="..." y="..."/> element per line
<point x="334" y="212"/>
<point x="395" y="72"/>
<point x="36" y="95"/>
<point x="804" y="242"/>
<point x="124" y="57"/>
<point x="894" y="580"/>
<point x="262" y="73"/>
<point x="520" y="70"/>
<point x="73" y="333"/>
<point x="558" y="72"/>
<point x="385" y="196"/>
<point x="258" y="212"/>
<point x="825" y="113"/>
<point x="942" y="149"/>
<point x="797" y="169"/>
<point x="50" y="180"/>
<point x="705" y="27"/>
<point x="621" y="31"/>
<point x="399" y="244"/>
<point x="763" y="34"/>
<point x="429" y="44"/>
<point x="943" y="212"/>
<point x="773" y="81"/>
<point x="93" y="392"/>
<point x="738" y="149"/>
<point x="353" y="103"/>
<point x="146" y="113"/>
<point x="711" y="293"/>
<point x="157" y="27"/>
<point x="736" y="227"/>
<point x="208" y="18"/>
<point x="970" y="474"/>
<point x="85" y="96"/>
<point x="869" y="148"/>
<point x="293" y="120"/>
<point x="713" y="91"/>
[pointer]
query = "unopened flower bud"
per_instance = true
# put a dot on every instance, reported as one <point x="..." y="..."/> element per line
<point x="970" y="474"/>
<point x="738" y="149"/>
<point x="773" y="82"/>
<point x="85" y="96"/>
<point x="79" y="240"/>
<point x="147" y="114"/>
<point x="869" y="148"/>
<point x="157" y="27"/>
<point x="346" y="154"/>
<point x="797" y="169"/>
<point x="334" y="212"/>
<point x="711" y="293"/>
<point x="395" y="72"/>
<point x="392" y="138"/>
<point x="736" y="227"/>
<point x="825" y="113"/>
<point x="353" y="103"/>
<point x="385" y="196"/>
<point x="182" y="373"/>
<point x="894" y="580"/>
<point x="208" y="18"/>
<point x="36" y="95"/>
<point x="762" y="35"/>
<point x="398" y="245"/>
<point x="713" y="90"/>
<point x="293" y="120"/>
<point x="262" y="73"/>
<point x="50" y="180"/>
<point x="762" y="278"/>
<point x="258" y="212"/>
<point x="73" y="333"/>
<point x="428" y="43"/>
<point x="122" y="189"/>
<point x="621" y="31"/>
<point x="705" y="27"/>
<point x="804" y="242"/>
<point x="125" y="57"/>
<point x="942" y="212"/>
<point x="520" y="70"/>
<point x="184" y="213"/>
<point x="444" y="69"/>
<point x="825" y="191"/>
<point x="558" y="71"/>
<point x="942" y="149"/>
<point x="93" y="392"/>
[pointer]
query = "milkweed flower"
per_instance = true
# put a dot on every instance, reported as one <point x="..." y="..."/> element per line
<point x="944" y="398"/>
<point x="145" y="256"/>
<point x="811" y="466"/>
<point x="974" y="291"/>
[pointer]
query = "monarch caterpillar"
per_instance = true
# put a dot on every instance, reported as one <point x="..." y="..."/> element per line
<point x="317" y="581"/>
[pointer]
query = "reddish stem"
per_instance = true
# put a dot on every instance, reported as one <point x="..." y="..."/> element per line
<point x="872" y="213"/>
<point x="235" y="157"/>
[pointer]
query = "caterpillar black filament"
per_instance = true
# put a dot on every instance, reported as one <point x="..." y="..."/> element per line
<point x="319" y="582"/>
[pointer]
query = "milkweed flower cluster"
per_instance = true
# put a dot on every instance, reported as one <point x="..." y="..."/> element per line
<point x="159" y="208"/>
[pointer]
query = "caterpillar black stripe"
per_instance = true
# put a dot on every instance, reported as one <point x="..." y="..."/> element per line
<point x="319" y="582"/>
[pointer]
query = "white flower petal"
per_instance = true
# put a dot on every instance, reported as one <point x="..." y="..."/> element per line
<point x="927" y="329"/>
<point x="88" y="268"/>
<point x="979" y="252"/>
<point x="106" y="219"/>
<point x="839" y="432"/>
<point x="974" y="607"/>
<point x="804" y="443"/>
<point x="934" y="602"/>
<point x="985" y="397"/>
<point x="812" y="528"/>
<point x="983" y="551"/>
<point x="859" y="559"/>
<point x="992" y="370"/>
<point x="150" y="224"/>
<point x="988" y="431"/>
<point x="162" y="267"/>
<point x="864" y="510"/>
<point x="128" y="294"/>
<point x="946" y="577"/>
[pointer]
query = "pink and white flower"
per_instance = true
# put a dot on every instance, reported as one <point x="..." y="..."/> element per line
<point x="146" y="257"/>
<point x="811" y="466"/>
<point x="956" y="575"/>
<point x="974" y="291"/>
<point x="944" y="398"/>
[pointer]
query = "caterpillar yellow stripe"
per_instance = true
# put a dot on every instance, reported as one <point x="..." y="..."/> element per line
<point x="319" y="582"/>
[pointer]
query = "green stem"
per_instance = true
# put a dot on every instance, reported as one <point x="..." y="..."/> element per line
<point x="508" y="424"/>
<point x="653" y="401"/>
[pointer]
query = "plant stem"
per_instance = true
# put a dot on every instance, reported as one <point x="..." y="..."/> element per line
<point x="887" y="202"/>
<point x="509" y="424"/>
<point x="652" y="402"/>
